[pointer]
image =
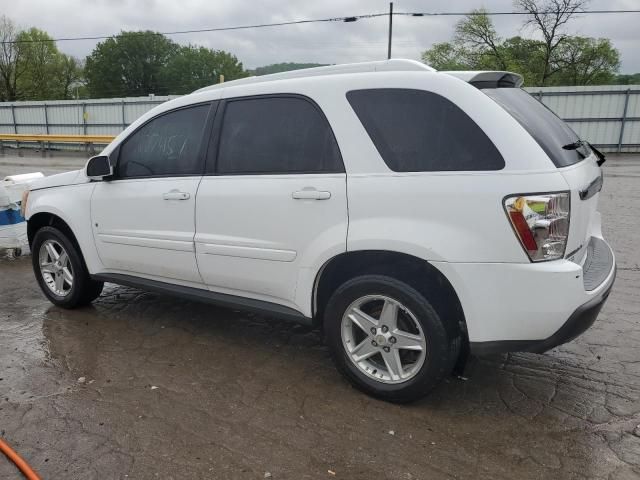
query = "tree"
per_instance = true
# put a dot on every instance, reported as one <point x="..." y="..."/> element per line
<point x="573" y="60"/>
<point x="585" y="61"/>
<point x="525" y="56"/>
<point x="10" y="71"/>
<point x="71" y="75"/>
<point x="195" y="67"/>
<point x="548" y="17"/>
<point x="447" y="56"/>
<point x="477" y="36"/>
<point x="42" y="66"/>
<point x="32" y="67"/>
<point x="129" y="64"/>
<point x="632" y="79"/>
<point x="284" y="67"/>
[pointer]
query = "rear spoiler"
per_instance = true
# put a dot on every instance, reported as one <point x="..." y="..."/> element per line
<point x="489" y="79"/>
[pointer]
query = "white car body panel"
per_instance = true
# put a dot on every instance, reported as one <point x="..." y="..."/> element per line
<point x="583" y="212"/>
<point x="450" y="217"/>
<point x="71" y="203"/>
<point x="244" y="235"/>
<point x="74" y="177"/>
<point x="243" y="249"/>
<point x="137" y="231"/>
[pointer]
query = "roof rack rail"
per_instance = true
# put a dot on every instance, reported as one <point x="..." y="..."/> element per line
<point x="396" y="64"/>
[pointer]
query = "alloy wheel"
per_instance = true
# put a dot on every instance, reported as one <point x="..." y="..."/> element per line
<point x="383" y="339"/>
<point x="55" y="267"/>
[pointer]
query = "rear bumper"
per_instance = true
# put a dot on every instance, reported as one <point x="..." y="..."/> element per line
<point x="532" y="307"/>
<point x="579" y="322"/>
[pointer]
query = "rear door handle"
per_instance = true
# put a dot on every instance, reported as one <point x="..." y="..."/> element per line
<point x="176" y="195"/>
<point x="311" y="194"/>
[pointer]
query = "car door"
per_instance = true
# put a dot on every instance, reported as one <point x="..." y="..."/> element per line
<point x="143" y="219"/>
<point x="274" y="199"/>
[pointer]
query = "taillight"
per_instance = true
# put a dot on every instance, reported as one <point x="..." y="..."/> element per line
<point x="541" y="223"/>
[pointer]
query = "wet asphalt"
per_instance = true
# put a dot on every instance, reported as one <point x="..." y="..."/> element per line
<point x="139" y="386"/>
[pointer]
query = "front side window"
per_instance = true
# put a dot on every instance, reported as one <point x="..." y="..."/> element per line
<point x="419" y="131"/>
<point x="167" y="145"/>
<point x="276" y="135"/>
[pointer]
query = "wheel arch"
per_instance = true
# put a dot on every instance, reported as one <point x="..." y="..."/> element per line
<point x="48" y="219"/>
<point x="414" y="271"/>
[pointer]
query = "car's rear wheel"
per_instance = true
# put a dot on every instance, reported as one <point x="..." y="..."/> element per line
<point x="60" y="270"/>
<point x="387" y="339"/>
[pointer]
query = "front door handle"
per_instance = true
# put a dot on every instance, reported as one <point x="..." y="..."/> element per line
<point x="311" y="194"/>
<point x="176" y="195"/>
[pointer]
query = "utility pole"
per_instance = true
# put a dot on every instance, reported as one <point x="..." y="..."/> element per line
<point x="390" y="28"/>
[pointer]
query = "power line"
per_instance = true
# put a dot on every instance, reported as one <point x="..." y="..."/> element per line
<point x="213" y="29"/>
<point x="490" y="14"/>
<point x="318" y="20"/>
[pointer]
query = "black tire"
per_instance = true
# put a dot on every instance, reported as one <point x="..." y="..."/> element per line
<point x="441" y="350"/>
<point x="83" y="290"/>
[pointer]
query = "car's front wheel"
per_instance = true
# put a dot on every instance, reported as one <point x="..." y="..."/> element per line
<point x="60" y="270"/>
<point x="387" y="339"/>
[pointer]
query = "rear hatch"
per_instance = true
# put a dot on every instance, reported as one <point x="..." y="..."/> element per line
<point x="576" y="160"/>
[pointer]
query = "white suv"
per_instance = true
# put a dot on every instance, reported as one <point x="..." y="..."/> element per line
<point x="413" y="215"/>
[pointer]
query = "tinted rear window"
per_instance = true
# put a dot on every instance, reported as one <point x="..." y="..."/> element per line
<point x="418" y="131"/>
<point x="543" y="125"/>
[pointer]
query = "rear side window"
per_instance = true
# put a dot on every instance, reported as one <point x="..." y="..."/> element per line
<point x="418" y="131"/>
<point x="165" y="146"/>
<point x="271" y="135"/>
<point x="543" y="125"/>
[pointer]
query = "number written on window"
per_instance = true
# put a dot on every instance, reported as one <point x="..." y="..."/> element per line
<point x="167" y="145"/>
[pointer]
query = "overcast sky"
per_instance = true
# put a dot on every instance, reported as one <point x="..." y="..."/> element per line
<point x="322" y="43"/>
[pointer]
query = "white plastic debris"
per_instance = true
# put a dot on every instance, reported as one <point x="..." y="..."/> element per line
<point x="13" y="228"/>
<point x="153" y="387"/>
<point x="81" y="380"/>
<point x="391" y="432"/>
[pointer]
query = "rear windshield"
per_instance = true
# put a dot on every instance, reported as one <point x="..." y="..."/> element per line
<point x="543" y="125"/>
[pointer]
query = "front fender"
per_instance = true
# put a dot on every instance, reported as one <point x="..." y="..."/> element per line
<point x="72" y="204"/>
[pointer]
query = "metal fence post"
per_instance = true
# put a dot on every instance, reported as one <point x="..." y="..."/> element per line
<point x="46" y="126"/>
<point x="84" y="124"/>
<point x="13" y="118"/>
<point x="624" y="118"/>
<point x="124" y="122"/>
<point x="46" y="119"/>
<point x="84" y="118"/>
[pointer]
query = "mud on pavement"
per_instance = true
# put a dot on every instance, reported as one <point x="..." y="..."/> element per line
<point x="140" y="386"/>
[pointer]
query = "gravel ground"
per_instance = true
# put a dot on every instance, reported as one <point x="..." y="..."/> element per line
<point x="140" y="386"/>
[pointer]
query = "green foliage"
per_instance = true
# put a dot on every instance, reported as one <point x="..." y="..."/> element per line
<point x="447" y="56"/>
<point x="46" y="72"/>
<point x="573" y="60"/>
<point x="32" y="67"/>
<point x="195" y="67"/>
<point x="626" y="79"/>
<point x="284" y="67"/>
<point x="585" y="61"/>
<point x="141" y="63"/>
<point x="478" y="40"/>
<point x="129" y="64"/>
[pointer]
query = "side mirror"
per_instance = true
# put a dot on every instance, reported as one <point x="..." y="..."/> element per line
<point x="99" y="168"/>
